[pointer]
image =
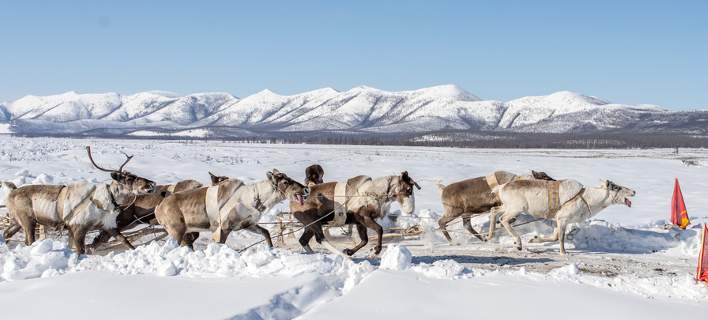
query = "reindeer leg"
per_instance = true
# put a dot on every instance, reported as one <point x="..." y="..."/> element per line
<point x="28" y="229"/>
<point x="506" y="222"/>
<point x="542" y="238"/>
<point x="561" y="233"/>
<point x="224" y="235"/>
<point x="307" y="219"/>
<point x="191" y="238"/>
<point x="444" y="220"/>
<point x="79" y="239"/>
<point x="263" y="231"/>
<point x="468" y="225"/>
<point x="370" y="223"/>
<point x="10" y="231"/>
<point x="363" y="240"/>
<point x="115" y="233"/>
<point x="493" y="221"/>
<point x="305" y="239"/>
<point x="102" y="237"/>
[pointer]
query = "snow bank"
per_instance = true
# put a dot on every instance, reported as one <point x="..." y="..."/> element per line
<point x="606" y="237"/>
<point x="396" y="257"/>
<point x="441" y="269"/>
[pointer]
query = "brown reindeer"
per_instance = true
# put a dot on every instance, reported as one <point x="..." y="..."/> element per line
<point x="229" y="205"/>
<point x="474" y="196"/>
<point x="141" y="209"/>
<point x="180" y="186"/>
<point x="363" y="201"/>
<point x="80" y="207"/>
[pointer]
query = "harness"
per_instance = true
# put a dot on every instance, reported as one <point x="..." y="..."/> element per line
<point x="607" y="195"/>
<point x="492" y="180"/>
<point x="82" y="204"/>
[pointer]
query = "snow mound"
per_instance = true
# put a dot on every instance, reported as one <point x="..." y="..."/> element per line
<point x="607" y="237"/>
<point x="396" y="257"/>
<point x="441" y="269"/>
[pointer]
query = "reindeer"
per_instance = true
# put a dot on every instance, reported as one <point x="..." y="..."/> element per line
<point x="141" y="210"/>
<point x="180" y="186"/>
<point x="229" y="205"/>
<point x="80" y="207"/>
<point x="474" y="196"/>
<point x="359" y="201"/>
<point x="566" y="201"/>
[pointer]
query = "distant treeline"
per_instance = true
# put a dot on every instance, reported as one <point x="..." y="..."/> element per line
<point x="465" y="139"/>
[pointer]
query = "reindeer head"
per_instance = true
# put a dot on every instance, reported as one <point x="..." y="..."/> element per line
<point x="217" y="179"/>
<point x="618" y="194"/>
<point x="404" y="192"/>
<point x="540" y="175"/>
<point x="314" y="175"/>
<point x="288" y="188"/>
<point x="124" y="181"/>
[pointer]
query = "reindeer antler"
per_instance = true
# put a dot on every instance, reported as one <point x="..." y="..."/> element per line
<point x="88" y="149"/>
<point x="126" y="161"/>
<point x="120" y="169"/>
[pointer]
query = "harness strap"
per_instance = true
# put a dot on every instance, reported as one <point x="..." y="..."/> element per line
<point x="61" y="198"/>
<point x="340" y="204"/>
<point x="492" y="180"/>
<point x="213" y="208"/>
<point x="84" y="202"/>
<point x="553" y="189"/>
<point x="585" y="201"/>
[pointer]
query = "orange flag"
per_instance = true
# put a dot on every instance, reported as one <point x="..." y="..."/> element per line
<point x="702" y="270"/>
<point x="679" y="215"/>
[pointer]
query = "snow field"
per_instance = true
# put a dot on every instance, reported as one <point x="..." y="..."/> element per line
<point x="413" y="278"/>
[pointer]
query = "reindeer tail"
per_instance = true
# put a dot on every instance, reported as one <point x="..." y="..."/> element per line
<point x="440" y="186"/>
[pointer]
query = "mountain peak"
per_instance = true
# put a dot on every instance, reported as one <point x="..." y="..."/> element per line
<point x="570" y="96"/>
<point x="448" y="91"/>
<point x="266" y="92"/>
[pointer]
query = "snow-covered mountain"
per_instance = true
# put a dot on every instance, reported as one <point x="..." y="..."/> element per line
<point x="360" y="109"/>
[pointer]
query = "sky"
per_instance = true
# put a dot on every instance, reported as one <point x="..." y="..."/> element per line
<point x="622" y="51"/>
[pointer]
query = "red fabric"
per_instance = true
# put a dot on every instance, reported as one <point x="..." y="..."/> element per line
<point x="679" y="215"/>
<point x="702" y="272"/>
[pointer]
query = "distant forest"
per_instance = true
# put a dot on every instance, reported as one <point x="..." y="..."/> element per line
<point x="466" y="139"/>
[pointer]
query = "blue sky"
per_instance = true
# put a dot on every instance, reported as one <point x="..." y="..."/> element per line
<point x="623" y="51"/>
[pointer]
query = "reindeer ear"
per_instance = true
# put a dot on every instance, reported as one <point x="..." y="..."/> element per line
<point x="116" y="176"/>
<point x="404" y="175"/>
<point x="269" y="175"/>
<point x="211" y="174"/>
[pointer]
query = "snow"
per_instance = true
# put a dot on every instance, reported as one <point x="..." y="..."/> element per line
<point x="396" y="257"/>
<point x="622" y="264"/>
<point x="434" y="108"/>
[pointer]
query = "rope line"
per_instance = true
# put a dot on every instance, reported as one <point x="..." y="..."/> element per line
<point x="288" y="233"/>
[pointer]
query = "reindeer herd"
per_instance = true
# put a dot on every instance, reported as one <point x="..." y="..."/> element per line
<point x="186" y="208"/>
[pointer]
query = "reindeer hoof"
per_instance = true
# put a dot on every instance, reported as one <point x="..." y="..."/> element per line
<point x="348" y="252"/>
<point x="377" y="250"/>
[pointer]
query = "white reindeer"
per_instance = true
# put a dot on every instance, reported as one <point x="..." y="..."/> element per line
<point x="575" y="204"/>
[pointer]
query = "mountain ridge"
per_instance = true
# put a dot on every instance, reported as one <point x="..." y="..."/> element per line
<point x="359" y="109"/>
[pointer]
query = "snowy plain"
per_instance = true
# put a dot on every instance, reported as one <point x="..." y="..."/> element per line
<point x="623" y="264"/>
